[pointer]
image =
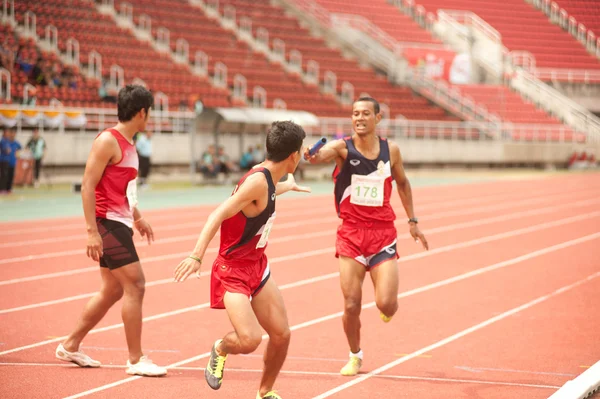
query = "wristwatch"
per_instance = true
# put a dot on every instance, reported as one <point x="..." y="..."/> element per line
<point x="413" y="220"/>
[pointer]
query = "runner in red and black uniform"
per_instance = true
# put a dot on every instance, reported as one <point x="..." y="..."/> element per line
<point x="240" y="279"/>
<point x="109" y="199"/>
<point x="366" y="240"/>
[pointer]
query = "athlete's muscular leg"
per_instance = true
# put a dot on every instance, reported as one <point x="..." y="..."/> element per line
<point x="247" y="335"/>
<point x="352" y="275"/>
<point x="270" y="310"/>
<point x="385" y="281"/>
<point x="132" y="280"/>
<point x="110" y="292"/>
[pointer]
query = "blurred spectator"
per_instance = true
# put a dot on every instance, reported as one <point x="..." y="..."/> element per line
<point x="143" y="145"/>
<point x="106" y="93"/>
<point x="247" y="160"/>
<point x="258" y="155"/>
<point x="225" y="163"/>
<point x="210" y="166"/>
<point x="9" y="147"/>
<point x="37" y="146"/>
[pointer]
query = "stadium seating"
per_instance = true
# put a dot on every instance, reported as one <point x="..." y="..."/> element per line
<point x="522" y="27"/>
<point x="26" y="55"/>
<point x="510" y="106"/>
<point x="98" y="32"/>
<point x="585" y="12"/>
<point x="385" y="16"/>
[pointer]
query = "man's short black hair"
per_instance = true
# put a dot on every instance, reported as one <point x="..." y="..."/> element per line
<point x="371" y="100"/>
<point x="131" y="100"/>
<point x="283" y="139"/>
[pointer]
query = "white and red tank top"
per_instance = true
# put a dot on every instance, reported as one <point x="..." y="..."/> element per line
<point x="363" y="188"/>
<point x="244" y="239"/>
<point x="116" y="191"/>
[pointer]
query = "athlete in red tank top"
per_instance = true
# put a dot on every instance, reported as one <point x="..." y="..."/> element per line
<point x="240" y="280"/>
<point x="109" y="205"/>
<point x="115" y="192"/>
<point x="366" y="240"/>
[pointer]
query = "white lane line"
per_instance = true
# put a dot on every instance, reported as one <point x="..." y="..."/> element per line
<point x="456" y="336"/>
<point x="531" y="255"/>
<point x="331" y="249"/>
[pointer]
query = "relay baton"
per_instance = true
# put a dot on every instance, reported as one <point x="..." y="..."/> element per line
<point x="317" y="146"/>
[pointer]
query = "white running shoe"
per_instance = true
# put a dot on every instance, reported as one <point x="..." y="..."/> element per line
<point x="79" y="358"/>
<point x="145" y="367"/>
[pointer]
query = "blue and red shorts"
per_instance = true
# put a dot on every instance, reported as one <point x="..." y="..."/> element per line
<point x="370" y="246"/>
<point x="237" y="277"/>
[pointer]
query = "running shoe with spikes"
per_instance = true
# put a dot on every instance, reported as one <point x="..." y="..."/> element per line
<point x="214" y="369"/>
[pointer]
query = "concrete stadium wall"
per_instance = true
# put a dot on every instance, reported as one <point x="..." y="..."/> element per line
<point x="72" y="149"/>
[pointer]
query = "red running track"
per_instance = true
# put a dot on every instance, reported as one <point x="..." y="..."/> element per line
<point x="501" y="306"/>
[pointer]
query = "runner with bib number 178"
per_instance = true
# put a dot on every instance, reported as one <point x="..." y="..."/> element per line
<point x="366" y="240"/>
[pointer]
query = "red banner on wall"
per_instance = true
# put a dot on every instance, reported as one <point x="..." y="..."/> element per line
<point x="440" y="64"/>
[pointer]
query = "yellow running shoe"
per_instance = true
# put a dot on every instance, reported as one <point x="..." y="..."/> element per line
<point x="351" y="368"/>
<point x="385" y="318"/>
<point x="268" y="395"/>
<point x="213" y="373"/>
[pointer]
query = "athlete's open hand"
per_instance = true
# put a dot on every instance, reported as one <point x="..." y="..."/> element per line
<point x="185" y="268"/>
<point x="94" y="246"/>
<point x="145" y="229"/>
<point x="295" y="186"/>
<point x="418" y="236"/>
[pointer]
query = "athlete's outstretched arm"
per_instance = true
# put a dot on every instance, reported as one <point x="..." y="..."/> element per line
<point x="290" y="185"/>
<point x="405" y="191"/>
<point x="253" y="189"/>
<point x="329" y="152"/>
<point x="105" y="147"/>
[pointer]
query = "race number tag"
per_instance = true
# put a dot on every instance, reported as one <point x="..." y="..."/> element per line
<point x="266" y="231"/>
<point x="367" y="190"/>
<point x="132" y="194"/>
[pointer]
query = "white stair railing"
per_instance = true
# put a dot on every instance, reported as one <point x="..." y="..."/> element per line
<point x="279" y="50"/>
<point x="145" y="26"/>
<point x="457" y="27"/>
<point x="117" y="77"/>
<point x="467" y="32"/>
<point x="94" y="69"/>
<point x="228" y="18"/>
<point x="259" y="97"/>
<point x="278" y="103"/>
<point x="312" y="72"/>
<point x="386" y="52"/>
<point x="30" y="25"/>
<point x="347" y="93"/>
<point x="8" y="13"/>
<point x="240" y="87"/>
<point x="220" y="75"/>
<point x="182" y="51"/>
<point x="201" y="63"/>
<point x="556" y="103"/>
<point x="27" y="88"/>
<point x="139" y="81"/>
<point x="329" y="82"/>
<point x="295" y="61"/>
<point x="560" y="17"/>
<point x="163" y="39"/>
<point x="51" y="38"/>
<point x="72" y="51"/>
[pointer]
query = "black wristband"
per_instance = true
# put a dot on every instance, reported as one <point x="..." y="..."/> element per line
<point x="413" y="220"/>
